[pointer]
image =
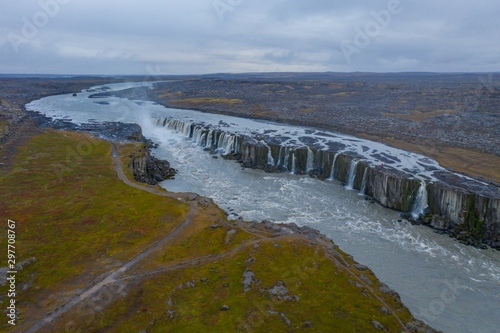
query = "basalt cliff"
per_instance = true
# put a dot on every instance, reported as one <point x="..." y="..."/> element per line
<point x="466" y="209"/>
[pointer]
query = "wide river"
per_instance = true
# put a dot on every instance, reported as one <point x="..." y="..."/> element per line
<point x="450" y="286"/>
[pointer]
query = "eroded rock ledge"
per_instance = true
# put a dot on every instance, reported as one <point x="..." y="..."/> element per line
<point x="465" y="208"/>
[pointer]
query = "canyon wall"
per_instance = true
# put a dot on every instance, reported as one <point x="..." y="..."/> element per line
<point x="438" y="204"/>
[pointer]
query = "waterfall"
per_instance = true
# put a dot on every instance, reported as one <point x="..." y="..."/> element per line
<point x="421" y="203"/>
<point x="177" y="125"/>
<point x="352" y="175"/>
<point x="216" y="140"/>
<point x="310" y="160"/>
<point x="270" y="159"/>
<point x="209" y="139"/>
<point x="332" y="172"/>
<point x="294" y="162"/>
<point x="226" y="144"/>
<point x="280" y="156"/>
<point x="363" y="183"/>
<point x="198" y="136"/>
<point x="229" y="148"/>
<point x="236" y="145"/>
<point x="287" y="158"/>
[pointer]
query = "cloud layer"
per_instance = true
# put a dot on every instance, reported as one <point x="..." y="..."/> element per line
<point x="209" y="36"/>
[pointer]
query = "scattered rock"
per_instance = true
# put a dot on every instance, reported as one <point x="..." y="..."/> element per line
<point x="225" y="308"/>
<point x="278" y="289"/>
<point x="366" y="279"/>
<point x="384" y="310"/>
<point x="440" y="223"/>
<point x="204" y="202"/>
<point x="386" y="290"/>
<point x="248" y="280"/>
<point x="377" y="325"/>
<point x="360" y="267"/>
<point x="192" y="197"/>
<point x="229" y="235"/>
<point x="286" y="320"/>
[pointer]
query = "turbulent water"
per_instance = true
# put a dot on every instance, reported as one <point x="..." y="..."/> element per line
<point x="450" y="286"/>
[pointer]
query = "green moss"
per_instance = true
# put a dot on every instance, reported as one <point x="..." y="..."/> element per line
<point x="473" y="224"/>
<point x="74" y="215"/>
<point x="321" y="293"/>
<point x="77" y="235"/>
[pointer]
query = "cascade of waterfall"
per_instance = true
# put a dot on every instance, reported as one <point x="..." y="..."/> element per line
<point x="209" y="139"/>
<point x="177" y="125"/>
<point x="287" y="158"/>
<point x="221" y="142"/>
<point x="236" y="144"/>
<point x="279" y="157"/>
<point x="270" y="159"/>
<point x="352" y="175"/>
<point x="363" y="183"/>
<point x="310" y="160"/>
<point x="229" y="144"/>
<point x="197" y="136"/>
<point x="225" y="143"/>
<point x="421" y="203"/>
<point x="203" y="140"/>
<point x="294" y="163"/>
<point x="215" y="140"/>
<point x="332" y="171"/>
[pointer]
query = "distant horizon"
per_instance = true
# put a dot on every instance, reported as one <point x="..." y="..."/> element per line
<point x="241" y="73"/>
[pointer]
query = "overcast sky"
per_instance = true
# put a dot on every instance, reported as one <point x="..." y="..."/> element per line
<point x="153" y="37"/>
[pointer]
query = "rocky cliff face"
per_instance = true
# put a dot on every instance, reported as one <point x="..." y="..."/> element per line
<point x="440" y="204"/>
<point x="148" y="169"/>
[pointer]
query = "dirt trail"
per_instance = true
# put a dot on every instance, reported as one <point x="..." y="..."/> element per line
<point x="113" y="277"/>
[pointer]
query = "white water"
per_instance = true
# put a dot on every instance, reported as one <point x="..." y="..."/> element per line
<point x="423" y="267"/>
<point x="421" y="201"/>
<point x="332" y="172"/>
<point x="310" y="160"/>
<point x="363" y="183"/>
<point x="352" y="175"/>
<point x="270" y="159"/>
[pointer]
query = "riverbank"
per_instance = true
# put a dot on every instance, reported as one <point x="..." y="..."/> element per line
<point x="217" y="273"/>
<point x="451" y="118"/>
<point x="394" y="250"/>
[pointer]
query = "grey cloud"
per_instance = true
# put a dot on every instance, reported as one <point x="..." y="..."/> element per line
<point x="127" y="36"/>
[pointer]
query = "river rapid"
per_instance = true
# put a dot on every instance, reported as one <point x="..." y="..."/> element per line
<point x="450" y="286"/>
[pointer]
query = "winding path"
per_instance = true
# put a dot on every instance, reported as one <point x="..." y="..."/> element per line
<point x="113" y="277"/>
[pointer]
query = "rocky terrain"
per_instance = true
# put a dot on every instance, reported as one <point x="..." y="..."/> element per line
<point x="106" y="253"/>
<point x="453" y="118"/>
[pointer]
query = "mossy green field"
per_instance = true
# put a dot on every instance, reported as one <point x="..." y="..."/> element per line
<point x="81" y="222"/>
